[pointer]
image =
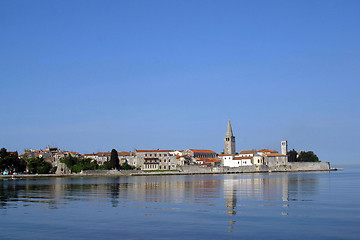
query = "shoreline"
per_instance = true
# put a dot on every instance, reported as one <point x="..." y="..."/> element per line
<point x="172" y="173"/>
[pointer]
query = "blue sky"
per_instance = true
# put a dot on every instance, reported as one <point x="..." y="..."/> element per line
<point x="90" y="76"/>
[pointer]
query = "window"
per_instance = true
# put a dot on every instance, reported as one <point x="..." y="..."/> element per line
<point x="145" y="154"/>
<point x="160" y="154"/>
<point x="155" y="154"/>
<point x="150" y="155"/>
<point x="160" y="167"/>
<point x="165" y="155"/>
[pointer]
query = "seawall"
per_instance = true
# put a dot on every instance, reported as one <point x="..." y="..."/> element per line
<point x="191" y="170"/>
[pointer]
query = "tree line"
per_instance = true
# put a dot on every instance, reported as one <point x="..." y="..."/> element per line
<point x="309" y="156"/>
<point x="76" y="164"/>
<point x="12" y="163"/>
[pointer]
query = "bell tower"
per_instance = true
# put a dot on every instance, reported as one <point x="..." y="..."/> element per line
<point x="229" y="141"/>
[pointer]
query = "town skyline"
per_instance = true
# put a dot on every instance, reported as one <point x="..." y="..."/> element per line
<point x="131" y="75"/>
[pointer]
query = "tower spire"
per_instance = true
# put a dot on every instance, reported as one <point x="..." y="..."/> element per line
<point x="229" y="141"/>
<point x="229" y="131"/>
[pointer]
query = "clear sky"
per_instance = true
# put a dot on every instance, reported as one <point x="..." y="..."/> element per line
<point x="90" y="76"/>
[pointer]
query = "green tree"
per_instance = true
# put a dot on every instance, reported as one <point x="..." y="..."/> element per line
<point x="126" y="166"/>
<point x="308" y="157"/>
<point x="105" y="166"/>
<point x="77" y="164"/>
<point x="114" y="160"/>
<point x="292" y="156"/>
<point x="38" y="165"/>
<point x="69" y="160"/>
<point x="11" y="162"/>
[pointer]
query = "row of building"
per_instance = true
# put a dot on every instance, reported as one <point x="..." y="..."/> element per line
<point x="171" y="159"/>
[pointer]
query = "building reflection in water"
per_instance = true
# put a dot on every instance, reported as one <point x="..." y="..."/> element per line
<point x="271" y="189"/>
<point x="201" y="190"/>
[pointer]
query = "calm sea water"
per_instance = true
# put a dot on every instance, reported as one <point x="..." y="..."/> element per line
<point x="245" y="206"/>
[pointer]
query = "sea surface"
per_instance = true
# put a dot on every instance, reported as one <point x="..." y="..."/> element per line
<point x="316" y="205"/>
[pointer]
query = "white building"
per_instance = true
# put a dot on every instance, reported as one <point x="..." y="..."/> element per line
<point x="246" y="153"/>
<point x="226" y="159"/>
<point x="243" y="161"/>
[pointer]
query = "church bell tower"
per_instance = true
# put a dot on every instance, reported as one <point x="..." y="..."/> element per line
<point x="229" y="141"/>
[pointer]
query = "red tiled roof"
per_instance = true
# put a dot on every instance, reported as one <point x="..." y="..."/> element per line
<point x="241" y="158"/>
<point x="221" y="155"/>
<point x="208" y="159"/>
<point x="154" y="150"/>
<point x="247" y="151"/>
<point x="206" y="163"/>
<point x="213" y="160"/>
<point x="267" y="150"/>
<point x="124" y="153"/>
<point x="104" y="154"/>
<point x="201" y="151"/>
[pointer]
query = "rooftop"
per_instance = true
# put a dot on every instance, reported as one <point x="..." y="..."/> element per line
<point x="201" y="151"/>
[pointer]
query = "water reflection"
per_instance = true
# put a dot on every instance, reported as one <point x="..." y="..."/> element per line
<point x="268" y="189"/>
<point x="237" y="190"/>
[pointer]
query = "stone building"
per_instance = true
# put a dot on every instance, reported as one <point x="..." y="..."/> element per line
<point x="197" y="153"/>
<point x="262" y="152"/>
<point x="275" y="159"/>
<point x="126" y="157"/>
<point x="198" y="156"/>
<point x="229" y="141"/>
<point x="284" y="147"/>
<point x="155" y="160"/>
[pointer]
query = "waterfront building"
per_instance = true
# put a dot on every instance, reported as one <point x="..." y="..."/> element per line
<point x="102" y="157"/>
<point x="258" y="160"/>
<point x="155" y="159"/>
<point x="92" y="156"/>
<point x="180" y="158"/>
<point x="226" y="159"/>
<point x="197" y="156"/>
<point x="262" y="152"/>
<point x="242" y="161"/>
<point x="126" y="157"/>
<point x="229" y="140"/>
<point x="246" y="153"/>
<point x="211" y="162"/>
<point x="275" y="159"/>
<point x="197" y="153"/>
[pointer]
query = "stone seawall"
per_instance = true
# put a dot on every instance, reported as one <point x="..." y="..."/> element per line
<point x="189" y="170"/>
<point x="109" y="172"/>
<point x="290" y="167"/>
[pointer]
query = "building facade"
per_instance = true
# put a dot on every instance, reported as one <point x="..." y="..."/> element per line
<point x="155" y="160"/>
